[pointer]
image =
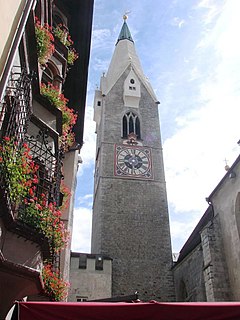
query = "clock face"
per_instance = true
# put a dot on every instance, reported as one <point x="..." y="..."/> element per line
<point x="133" y="161"/>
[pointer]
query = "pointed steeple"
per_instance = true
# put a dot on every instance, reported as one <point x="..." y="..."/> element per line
<point x="124" y="56"/>
<point x="124" y="33"/>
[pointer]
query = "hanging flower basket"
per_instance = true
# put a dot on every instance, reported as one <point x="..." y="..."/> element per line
<point x="62" y="33"/>
<point x="52" y="93"/>
<point x="72" y="56"/>
<point x="45" y="42"/>
<point x="66" y="196"/>
<point x="17" y="169"/>
<point x="69" y="117"/>
<point x="54" y="286"/>
<point x="45" y="218"/>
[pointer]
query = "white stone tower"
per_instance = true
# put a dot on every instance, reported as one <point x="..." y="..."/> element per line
<point x="130" y="212"/>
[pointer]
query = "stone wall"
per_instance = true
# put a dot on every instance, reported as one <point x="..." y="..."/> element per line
<point x="226" y="206"/>
<point x="188" y="277"/>
<point x="130" y="216"/>
<point x="214" y="269"/>
<point x="90" y="277"/>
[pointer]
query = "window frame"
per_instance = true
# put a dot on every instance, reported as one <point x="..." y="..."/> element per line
<point x="131" y="124"/>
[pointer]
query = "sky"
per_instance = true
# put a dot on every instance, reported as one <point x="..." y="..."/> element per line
<point x="190" y="51"/>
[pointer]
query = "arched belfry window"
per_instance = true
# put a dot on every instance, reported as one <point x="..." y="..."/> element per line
<point x="131" y="124"/>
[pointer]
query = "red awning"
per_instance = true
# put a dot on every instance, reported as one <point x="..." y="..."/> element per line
<point x="128" y="311"/>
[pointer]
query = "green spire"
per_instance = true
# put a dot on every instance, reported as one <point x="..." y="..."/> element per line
<point x="124" y="33"/>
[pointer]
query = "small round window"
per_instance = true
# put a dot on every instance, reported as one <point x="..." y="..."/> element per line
<point x="132" y="81"/>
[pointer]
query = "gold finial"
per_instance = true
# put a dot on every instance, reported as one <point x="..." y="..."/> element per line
<point x="125" y="16"/>
<point x="226" y="165"/>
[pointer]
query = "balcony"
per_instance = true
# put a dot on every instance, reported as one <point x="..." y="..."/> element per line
<point x="22" y="127"/>
<point x="30" y="179"/>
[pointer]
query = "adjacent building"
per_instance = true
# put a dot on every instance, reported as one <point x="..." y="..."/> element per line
<point x="90" y="277"/>
<point x="44" y="56"/>
<point x="208" y="265"/>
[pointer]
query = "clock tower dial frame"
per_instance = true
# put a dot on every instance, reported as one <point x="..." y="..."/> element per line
<point x="133" y="161"/>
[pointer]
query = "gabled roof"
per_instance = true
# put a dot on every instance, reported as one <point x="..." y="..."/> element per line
<point x="195" y="238"/>
<point x="230" y="174"/>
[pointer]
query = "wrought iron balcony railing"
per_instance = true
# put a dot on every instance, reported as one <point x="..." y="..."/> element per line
<point x="16" y="107"/>
<point x="18" y="123"/>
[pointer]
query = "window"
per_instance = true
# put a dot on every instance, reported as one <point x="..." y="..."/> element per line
<point x="81" y="299"/>
<point x="48" y="75"/>
<point x="57" y="19"/>
<point x="130" y="124"/>
<point x="99" y="263"/>
<point x="82" y="261"/>
<point x="52" y="75"/>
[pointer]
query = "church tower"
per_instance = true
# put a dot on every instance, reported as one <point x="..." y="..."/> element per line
<point x="130" y="212"/>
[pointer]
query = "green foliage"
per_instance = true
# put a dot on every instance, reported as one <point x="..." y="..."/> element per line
<point x="52" y="93"/>
<point x="69" y="118"/>
<point x="45" y="42"/>
<point x="64" y="37"/>
<point x="55" y="287"/>
<point x="18" y="169"/>
<point x="45" y="218"/>
<point x="72" y="56"/>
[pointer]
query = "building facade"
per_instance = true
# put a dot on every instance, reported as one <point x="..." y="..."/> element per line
<point x="44" y="50"/>
<point x="208" y="265"/>
<point x="130" y="212"/>
<point x="90" y="277"/>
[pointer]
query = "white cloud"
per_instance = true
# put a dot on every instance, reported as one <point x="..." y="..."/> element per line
<point x="194" y="156"/>
<point x="100" y="65"/>
<point x="89" y="146"/>
<point x="176" y="21"/>
<point x="204" y="137"/>
<point x="82" y="230"/>
<point x="100" y="36"/>
<point x="180" y="230"/>
<point x="86" y="200"/>
<point x="194" y="74"/>
<point x="212" y="7"/>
